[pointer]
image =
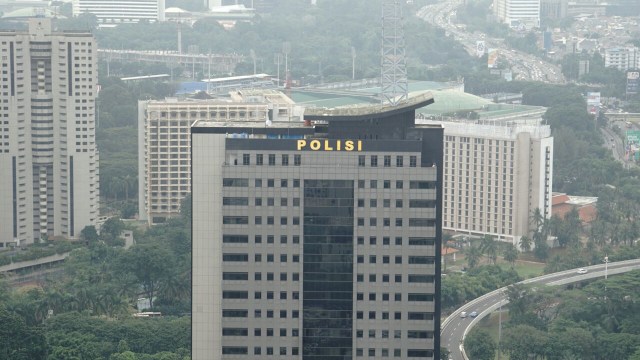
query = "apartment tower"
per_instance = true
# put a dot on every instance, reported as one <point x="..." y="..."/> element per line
<point x="48" y="156"/>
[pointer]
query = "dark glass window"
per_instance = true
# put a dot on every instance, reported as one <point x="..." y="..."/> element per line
<point x="386" y="184"/>
<point x="285" y="160"/>
<point x="235" y="350"/>
<point x="399" y="184"/>
<point x="374" y="160"/>
<point x="413" y="161"/>
<point x="361" y="160"/>
<point x="422" y="185"/>
<point x="421" y="241"/>
<point x="235" y="182"/>
<point x="272" y="159"/>
<point x="420" y="297"/>
<point x="235" y="276"/>
<point x="270" y="183"/>
<point x="258" y="183"/>
<point x="235" y="313"/>
<point x="258" y="201"/>
<point x="387" y="160"/>
<point x="399" y="161"/>
<point x="284" y="183"/>
<point x="259" y="159"/>
<point x="235" y="257"/>
<point x="421" y="260"/>
<point x="235" y="239"/>
<point x="297" y="160"/>
<point x="246" y="159"/>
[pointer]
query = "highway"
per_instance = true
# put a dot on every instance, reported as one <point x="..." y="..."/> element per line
<point x="455" y="328"/>
<point x="524" y="66"/>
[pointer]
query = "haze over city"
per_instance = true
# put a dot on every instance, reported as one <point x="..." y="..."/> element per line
<point x="319" y="179"/>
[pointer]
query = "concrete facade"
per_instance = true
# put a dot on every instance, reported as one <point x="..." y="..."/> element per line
<point x="49" y="184"/>
<point x="515" y="12"/>
<point x="164" y="144"/>
<point x="310" y="242"/>
<point x="495" y="176"/>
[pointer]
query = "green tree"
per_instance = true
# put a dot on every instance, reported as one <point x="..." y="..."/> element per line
<point x="510" y="254"/>
<point x="480" y="345"/>
<point x="490" y="247"/>
<point x="111" y="229"/>
<point x="525" y="243"/>
<point x="18" y="340"/>
<point x="473" y="255"/>
<point x="89" y="233"/>
<point x="151" y="265"/>
<point x="522" y="342"/>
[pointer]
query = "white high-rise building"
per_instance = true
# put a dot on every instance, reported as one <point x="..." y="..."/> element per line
<point x="495" y="176"/>
<point x="622" y="58"/>
<point x="518" y="12"/>
<point x="48" y="156"/>
<point x="164" y="146"/>
<point x="113" y="12"/>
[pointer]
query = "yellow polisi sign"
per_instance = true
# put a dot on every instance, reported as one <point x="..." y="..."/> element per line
<point x="330" y="145"/>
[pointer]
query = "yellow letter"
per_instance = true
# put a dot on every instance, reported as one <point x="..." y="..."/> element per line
<point x="348" y="145"/>
<point x="315" y="145"/>
<point x="338" y="145"/>
<point x="359" y="145"/>
<point x="326" y="146"/>
<point x="301" y="144"/>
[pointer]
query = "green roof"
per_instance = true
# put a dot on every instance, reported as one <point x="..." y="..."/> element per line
<point x="448" y="98"/>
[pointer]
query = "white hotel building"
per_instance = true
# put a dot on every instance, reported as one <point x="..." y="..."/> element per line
<point x="49" y="183"/>
<point x="495" y="176"/>
<point x="114" y="12"/>
<point x="164" y="144"/>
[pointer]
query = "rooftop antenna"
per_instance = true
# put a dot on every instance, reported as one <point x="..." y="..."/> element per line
<point x="395" y="86"/>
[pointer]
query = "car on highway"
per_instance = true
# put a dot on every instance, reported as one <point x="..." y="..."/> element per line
<point x="463" y="314"/>
<point x="582" y="271"/>
<point x="473" y="314"/>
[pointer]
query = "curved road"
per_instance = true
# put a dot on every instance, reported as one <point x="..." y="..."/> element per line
<point x="454" y="328"/>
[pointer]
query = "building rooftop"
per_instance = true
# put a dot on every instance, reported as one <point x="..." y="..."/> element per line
<point x="448" y="98"/>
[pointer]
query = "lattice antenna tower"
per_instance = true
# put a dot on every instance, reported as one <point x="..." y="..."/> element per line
<point x="395" y="87"/>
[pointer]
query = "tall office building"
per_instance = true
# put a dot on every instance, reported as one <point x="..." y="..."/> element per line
<point x="113" y="12"/>
<point x="495" y="176"/>
<point x="518" y="12"/>
<point x="318" y="241"/>
<point x="48" y="156"/>
<point x="164" y="143"/>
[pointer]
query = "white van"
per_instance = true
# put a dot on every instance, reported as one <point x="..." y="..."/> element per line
<point x="463" y="314"/>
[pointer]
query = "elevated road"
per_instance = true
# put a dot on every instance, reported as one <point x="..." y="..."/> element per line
<point x="454" y="328"/>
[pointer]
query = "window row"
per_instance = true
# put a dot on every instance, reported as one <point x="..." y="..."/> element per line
<point x="413" y="241"/>
<point x="295" y="239"/>
<point x="257" y="220"/>
<point x="385" y="259"/>
<point x="230" y="257"/>
<point x="397" y="334"/>
<point x="257" y="276"/>
<point x="258" y="239"/>
<point x="240" y="294"/>
<point x="411" y="353"/>
<point x="283" y="160"/>
<point x="244" y="182"/>
<point x="397" y="278"/>
<point x="270" y="201"/>
<point x="386" y="160"/>
<point x="399" y="203"/>
<point x="257" y="350"/>
<point x="413" y="222"/>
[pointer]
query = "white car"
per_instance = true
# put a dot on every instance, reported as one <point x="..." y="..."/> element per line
<point x="582" y="271"/>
